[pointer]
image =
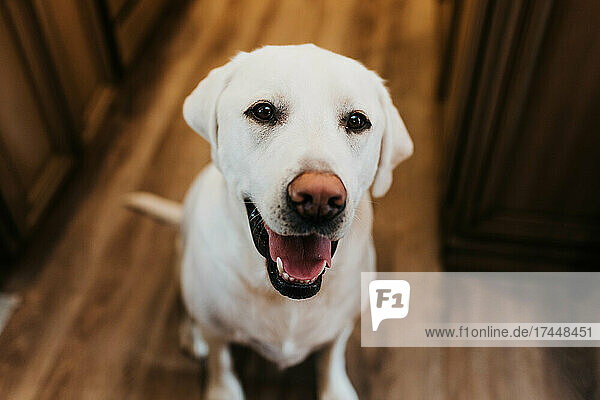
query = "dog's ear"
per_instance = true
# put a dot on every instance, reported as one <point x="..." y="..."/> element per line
<point x="200" y="107"/>
<point x="396" y="145"/>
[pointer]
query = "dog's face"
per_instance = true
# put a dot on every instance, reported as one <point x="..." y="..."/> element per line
<point x="300" y="134"/>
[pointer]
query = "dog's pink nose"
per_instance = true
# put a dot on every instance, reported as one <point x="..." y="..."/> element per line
<point x="317" y="196"/>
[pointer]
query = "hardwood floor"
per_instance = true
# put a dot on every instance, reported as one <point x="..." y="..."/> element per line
<point x="100" y="306"/>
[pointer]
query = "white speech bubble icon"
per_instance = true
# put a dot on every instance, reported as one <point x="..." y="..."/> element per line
<point x="389" y="299"/>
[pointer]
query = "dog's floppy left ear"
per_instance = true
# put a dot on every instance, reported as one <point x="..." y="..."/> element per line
<point x="396" y="145"/>
<point x="200" y="107"/>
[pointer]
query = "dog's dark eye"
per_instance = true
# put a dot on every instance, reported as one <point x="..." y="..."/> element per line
<point x="262" y="112"/>
<point x="357" y="122"/>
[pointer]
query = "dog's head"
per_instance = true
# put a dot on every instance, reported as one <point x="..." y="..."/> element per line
<point x="300" y="134"/>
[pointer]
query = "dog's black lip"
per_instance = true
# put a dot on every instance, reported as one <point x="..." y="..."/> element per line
<point x="260" y="237"/>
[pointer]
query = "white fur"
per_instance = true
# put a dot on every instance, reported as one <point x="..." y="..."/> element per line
<point x="163" y="210"/>
<point x="224" y="281"/>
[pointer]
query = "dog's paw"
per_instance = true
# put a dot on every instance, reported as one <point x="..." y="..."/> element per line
<point x="227" y="387"/>
<point x="341" y="389"/>
<point x="191" y="341"/>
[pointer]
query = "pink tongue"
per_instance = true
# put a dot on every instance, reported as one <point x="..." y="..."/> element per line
<point x="302" y="256"/>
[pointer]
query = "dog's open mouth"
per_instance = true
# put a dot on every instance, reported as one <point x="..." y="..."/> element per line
<point x="295" y="264"/>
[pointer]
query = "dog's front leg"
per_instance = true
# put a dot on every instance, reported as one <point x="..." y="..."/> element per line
<point x="222" y="384"/>
<point x="334" y="383"/>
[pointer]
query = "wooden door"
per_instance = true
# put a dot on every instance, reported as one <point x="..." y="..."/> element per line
<point x="36" y="147"/>
<point x="522" y="123"/>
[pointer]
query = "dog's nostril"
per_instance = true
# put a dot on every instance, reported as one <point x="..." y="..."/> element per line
<point x="306" y="199"/>
<point x="336" y="202"/>
<point x="299" y="197"/>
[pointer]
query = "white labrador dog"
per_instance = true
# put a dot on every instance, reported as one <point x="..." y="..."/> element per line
<point x="298" y="134"/>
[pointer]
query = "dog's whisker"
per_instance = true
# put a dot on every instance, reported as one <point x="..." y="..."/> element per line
<point x="254" y="217"/>
<point x="256" y="229"/>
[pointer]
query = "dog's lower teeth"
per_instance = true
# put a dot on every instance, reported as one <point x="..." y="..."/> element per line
<point x="280" y="266"/>
<point x="289" y="278"/>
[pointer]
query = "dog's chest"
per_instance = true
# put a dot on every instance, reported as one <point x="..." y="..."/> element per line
<point x="285" y="332"/>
